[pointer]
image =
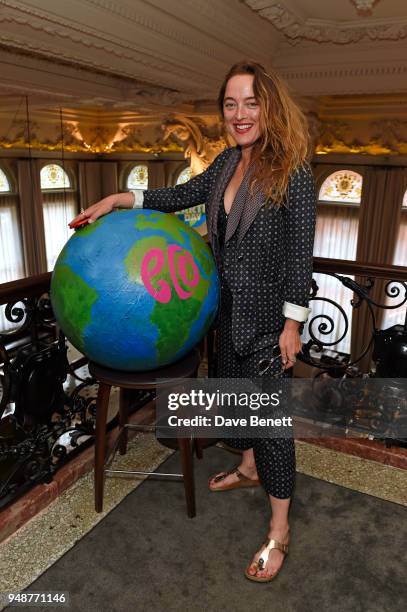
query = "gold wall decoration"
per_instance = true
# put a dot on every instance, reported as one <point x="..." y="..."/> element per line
<point x="88" y="139"/>
<point x="384" y="137"/>
<point x="200" y="140"/>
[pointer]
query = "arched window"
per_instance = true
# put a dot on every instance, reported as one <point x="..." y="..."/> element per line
<point x="336" y="236"/>
<point x="53" y="176"/>
<point x="184" y="176"/>
<point x="59" y="200"/>
<point x="11" y="252"/>
<point x="4" y="182"/>
<point x="194" y="217"/>
<point x="138" y="177"/>
<point x="342" y="187"/>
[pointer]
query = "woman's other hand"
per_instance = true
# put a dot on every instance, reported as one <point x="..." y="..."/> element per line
<point x="290" y="343"/>
<point x="103" y="207"/>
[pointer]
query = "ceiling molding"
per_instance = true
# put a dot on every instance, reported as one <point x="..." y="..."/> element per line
<point x="351" y="79"/>
<point x="78" y="58"/>
<point x="296" y="29"/>
<point x="185" y="46"/>
<point x="151" y="55"/>
<point x="152" y="64"/>
<point x="38" y="77"/>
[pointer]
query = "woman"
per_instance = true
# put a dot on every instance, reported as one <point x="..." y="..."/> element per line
<point x="260" y="207"/>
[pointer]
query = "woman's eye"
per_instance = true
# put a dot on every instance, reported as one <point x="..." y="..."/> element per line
<point x="229" y="105"/>
<point x="253" y="105"/>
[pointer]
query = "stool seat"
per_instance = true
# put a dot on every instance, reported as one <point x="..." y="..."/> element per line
<point x="150" y="379"/>
<point x="160" y="378"/>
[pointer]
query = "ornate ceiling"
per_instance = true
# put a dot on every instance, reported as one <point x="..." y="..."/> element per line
<point x="116" y="63"/>
<point x="149" y="53"/>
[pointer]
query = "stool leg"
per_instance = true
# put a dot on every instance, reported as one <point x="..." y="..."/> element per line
<point x="198" y="448"/>
<point x="124" y="403"/>
<point x="185" y="448"/>
<point x="102" y="404"/>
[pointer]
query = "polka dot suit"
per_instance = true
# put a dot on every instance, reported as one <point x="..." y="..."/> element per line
<point x="274" y="457"/>
<point x="264" y="258"/>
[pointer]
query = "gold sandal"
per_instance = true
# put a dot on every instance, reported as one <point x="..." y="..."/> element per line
<point x="243" y="481"/>
<point x="261" y="563"/>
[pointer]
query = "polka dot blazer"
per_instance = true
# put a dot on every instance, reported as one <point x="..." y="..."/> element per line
<point x="267" y="257"/>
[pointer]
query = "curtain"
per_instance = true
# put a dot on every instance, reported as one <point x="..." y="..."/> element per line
<point x="156" y="174"/>
<point x="379" y="226"/>
<point x="11" y="249"/>
<point x="110" y="183"/>
<point x="57" y="214"/>
<point x="335" y="237"/>
<point x="90" y="183"/>
<point x="32" y="224"/>
<point x="96" y="181"/>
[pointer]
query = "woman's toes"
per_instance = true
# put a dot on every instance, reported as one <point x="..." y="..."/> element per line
<point x="252" y="569"/>
<point x="263" y="574"/>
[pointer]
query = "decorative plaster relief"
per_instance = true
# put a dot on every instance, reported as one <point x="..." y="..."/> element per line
<point x="385" y="137"/>
<point x="318" y="30"/>
<point x="364" y="7"/>
<point x="201" y="143"/>
<point x="200" y="138"/>
<point x="152" y="63"/>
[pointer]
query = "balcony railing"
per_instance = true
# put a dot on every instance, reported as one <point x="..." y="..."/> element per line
<point x="36" y="414"/>
<point x="47" y="401"/>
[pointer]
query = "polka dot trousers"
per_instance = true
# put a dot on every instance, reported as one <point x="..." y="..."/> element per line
<point x="274" y="457"/>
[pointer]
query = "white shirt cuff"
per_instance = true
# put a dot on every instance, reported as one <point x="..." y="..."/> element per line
<point x="138" y="195"/>
<point x="295" y="312"/>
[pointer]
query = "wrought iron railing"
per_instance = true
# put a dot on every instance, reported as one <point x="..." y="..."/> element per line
<point x="30" y="436"/>
<point x="321" y="326"/>
<point x="47" y="404"/>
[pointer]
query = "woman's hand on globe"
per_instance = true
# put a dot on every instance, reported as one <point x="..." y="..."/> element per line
<point x="103" y="207"/>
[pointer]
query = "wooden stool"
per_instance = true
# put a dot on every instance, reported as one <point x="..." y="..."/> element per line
<point x="158" y="379"/>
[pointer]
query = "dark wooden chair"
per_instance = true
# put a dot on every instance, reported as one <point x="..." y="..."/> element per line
<point x="159" y="379"/>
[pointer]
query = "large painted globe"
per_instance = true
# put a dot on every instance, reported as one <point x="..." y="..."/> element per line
<point x="135" y="290"/>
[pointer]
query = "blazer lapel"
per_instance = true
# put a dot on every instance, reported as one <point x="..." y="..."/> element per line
<point x="244" y="209"/>
<point x="222" y="180"/>
<point x="237" y="208"/>
<point x="252" y="205"/>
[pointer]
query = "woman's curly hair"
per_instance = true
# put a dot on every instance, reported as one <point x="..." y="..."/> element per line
<point x="283" y="143"/>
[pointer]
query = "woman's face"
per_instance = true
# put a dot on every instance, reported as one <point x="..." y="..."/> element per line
<point x="241" y="110"/>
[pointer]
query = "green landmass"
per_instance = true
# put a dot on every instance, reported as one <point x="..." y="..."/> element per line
<point x="72" y="300"/>
<point x="173" y="319"/>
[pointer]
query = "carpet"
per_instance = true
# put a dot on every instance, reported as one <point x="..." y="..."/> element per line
<point x="347" y="551"/>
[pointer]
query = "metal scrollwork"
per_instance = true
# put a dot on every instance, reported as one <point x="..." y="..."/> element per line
<point x="322" y="325"/>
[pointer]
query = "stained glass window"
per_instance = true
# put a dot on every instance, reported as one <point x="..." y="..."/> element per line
<point x="138" y="177"/>
<point x="343" y="186"/>
<point x="4" y="182"/>
<point x="54" y="176"/>
<point x="184" y="176"/>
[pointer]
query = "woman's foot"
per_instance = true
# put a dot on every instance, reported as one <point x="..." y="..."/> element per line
<point x="275" y="557"/>
<point x="232" y="478"/>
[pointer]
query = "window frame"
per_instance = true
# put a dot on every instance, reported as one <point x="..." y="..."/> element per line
<point x="10" y="179"/>
<point x="178" y="174"/>
<point x="127" y="171"/>
<point x="71" y="177"/>
<point x="326" y="173"/>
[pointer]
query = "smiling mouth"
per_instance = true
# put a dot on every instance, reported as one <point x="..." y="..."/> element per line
<point x="243" y="127"/>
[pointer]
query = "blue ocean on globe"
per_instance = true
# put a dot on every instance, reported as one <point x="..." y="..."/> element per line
<point x="135" y="290"/>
